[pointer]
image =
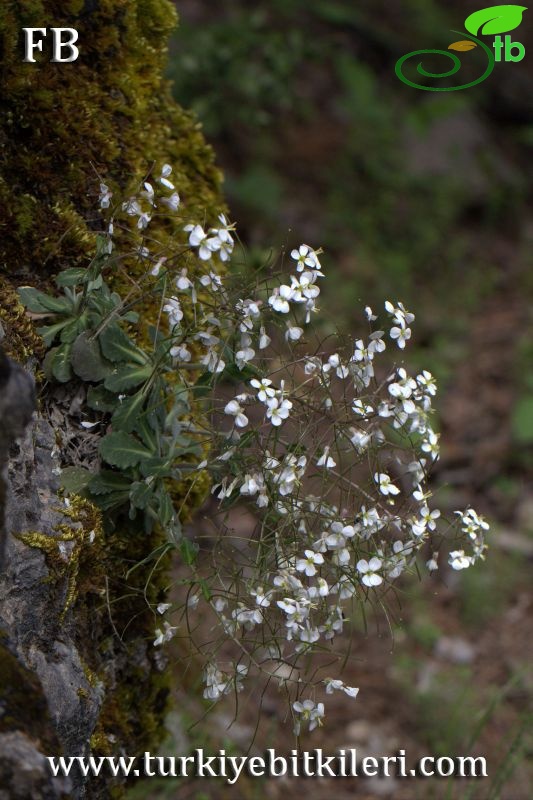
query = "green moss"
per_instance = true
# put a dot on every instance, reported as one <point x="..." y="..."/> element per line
<point x="84" y="531"/>
<point x="64" y="128"/>
<point x="108" y="116"/>
<point x="21" y="341"/>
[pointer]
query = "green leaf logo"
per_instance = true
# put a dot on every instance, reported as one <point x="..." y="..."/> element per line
<point x="494" y="20"/>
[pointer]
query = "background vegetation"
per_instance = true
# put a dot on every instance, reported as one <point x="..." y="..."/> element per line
<point x="427" y="198"/>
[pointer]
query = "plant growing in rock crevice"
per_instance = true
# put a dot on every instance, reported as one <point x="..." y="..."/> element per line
<point x="333" y="452"/>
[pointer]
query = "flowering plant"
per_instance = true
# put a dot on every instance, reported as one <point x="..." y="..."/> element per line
<point x="331" y="452"/>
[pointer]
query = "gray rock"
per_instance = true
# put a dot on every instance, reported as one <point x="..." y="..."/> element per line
<point x="48" y="706"/>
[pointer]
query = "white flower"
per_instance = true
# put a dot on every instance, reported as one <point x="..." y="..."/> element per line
<point x="401" y="335"/>
<point x="458" y="560"/>
<point x="433" y="563"/>
<point x="429" y="517"/>
<point x="262" y="598"/>
<point x="163" y="179"/>
<point x="264" y="340"/>
<point x="358" y="407"/>
<point x="276" y="411"/>
<point x="280" y="298"/>
<point x="162" y="607"/>
<point x="264" y="389"/>
<point x="156" y="269"/>
<point x="305" y="256"/>
<point x="309" y="712"/>
<point x="293" y="333"/>
<point x="174" y="311"/>
<point x="385" y="485"/>
<point x="325" y="460"/>
<point x="308" y="563"/>
<point x="199" y="238"/>
<point x="183" y="283"/>
<point x="105" y="196"/>
<point x="427" y="382"/>
<point x="234" y="409"/>
<point x="369" y="569"/>
<point x="181" y="353"/>
<point x="165" y="635"/>
<point x="371" y="317"/>
<point x="252" y="484"/>
<point x="399" y="314"/>
<point x="172" y="202"/>
<point x="337" y="685"/>
<point x="431" y="444"/>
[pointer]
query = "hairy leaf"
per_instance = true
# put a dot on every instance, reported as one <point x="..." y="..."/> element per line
<point x="127" y="377"/>
<point x="75" y="479"/>
<point x="122" y="450"/>
<point x="57" y="363"/>
<point x="127" y="411"/>
<point x="100" y="399"/>
<point x="141" y="494"/>
<point x="42" y="303"/>
<point x="107" y="481"/>
<point x="87" y="360"/>
<point x="71" y="277"/>
<point x="117" y="346"/>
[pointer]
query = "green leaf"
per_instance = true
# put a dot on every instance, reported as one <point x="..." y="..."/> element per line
<point x="75" y="479"/>
<point x="166" y="509"/>
<point x="156" y="467"/>
<point x="127" y="377"/>
<point x="122" y="450"/>
<point x="147" y="434"/>
<point x="141" y="494"/>
<point x="127" y="411"/>
<point x="106" y="482"/>
<point x="100" y="399"/>
<point x="117" y="346"/>
<point x="71" y="277"/>
<point x="112" y="500"/>
<point x="87" y="360"/>
<point x="188" y="551"/>
<point x="493" y="20"/>
<point x="41" y="303"/>
<point x="74" y="327"/>
<point x="57" y="363"/>
<point x="204" y="384"/>
<point x="49" y="332"/>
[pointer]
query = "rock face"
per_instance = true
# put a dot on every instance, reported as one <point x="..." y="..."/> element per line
<point x="39" y="666"/>
<point x="77" y="670"/>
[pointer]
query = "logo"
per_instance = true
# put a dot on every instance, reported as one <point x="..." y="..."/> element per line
<point x="492" y="21"/>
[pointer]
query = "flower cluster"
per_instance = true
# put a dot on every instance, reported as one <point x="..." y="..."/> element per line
<point x="295" y="442"/>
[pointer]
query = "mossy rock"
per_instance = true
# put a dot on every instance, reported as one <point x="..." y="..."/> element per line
<point x="108" y="117"/>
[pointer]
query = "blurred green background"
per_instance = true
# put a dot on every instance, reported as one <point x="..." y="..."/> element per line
<point x="423" y="197"/>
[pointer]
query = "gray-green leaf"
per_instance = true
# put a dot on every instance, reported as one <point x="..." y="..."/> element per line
<point x="106" y="482"/>
<point x="122" y="450"/>
<point x="87" y="360"/>
<point x="126" y="415"/>
<point x="117" y="346"/>
<point x="100" y="399"/>
<point x="57" y="363"/>
<point x="74" y="479"/>
<point x="127" y="377"/>
<point x="494" y="20"/>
